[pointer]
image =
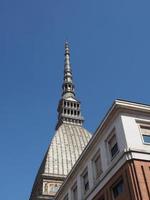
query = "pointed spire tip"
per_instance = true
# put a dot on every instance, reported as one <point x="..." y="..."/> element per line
<point x="67" y="50"/>
<point x="66" y="42"/>
<point x="66" y="45"/>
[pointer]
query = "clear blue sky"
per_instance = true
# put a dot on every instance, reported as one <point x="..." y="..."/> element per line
<point x="110" y="56"/>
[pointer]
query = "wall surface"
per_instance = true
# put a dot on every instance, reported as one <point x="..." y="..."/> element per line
<point x="136" y="178"/>
<point x="131" y="162"/>
<point x="132" y="131"/>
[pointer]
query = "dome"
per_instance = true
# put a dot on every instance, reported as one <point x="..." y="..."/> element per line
<point x="65" y="148"/>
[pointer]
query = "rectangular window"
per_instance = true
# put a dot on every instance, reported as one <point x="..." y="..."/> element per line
<point x="102" y="198"/>
<point x="118" y="189"/>
<point x="113" y="146"/>
<point x="75" y="192"/>
<point x="85" y="181"/>
<point x="145" y="129"/>
<point x="66" y="197"/>
<point x="146" y="138"/>
<point x="97" y="168"/>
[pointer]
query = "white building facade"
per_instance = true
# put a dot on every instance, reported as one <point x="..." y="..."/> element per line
<point x="116" y="162"/>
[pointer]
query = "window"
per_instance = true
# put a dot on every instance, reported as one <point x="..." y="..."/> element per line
<point x="46" y="188"/>
<point x="145" y="129"/>
<point x="85" y="181"/>
<point x="118" y="189"/>
<point x="75" y="192"/>
<point x="113" y="146"/>
<point x="66" y="197"/>
<point x="53" y="187"/>
<point x="102" y="197"/>
<point x="56" y="187"/>
<point x="97" y="169"/>
<point x="146" y="138"/>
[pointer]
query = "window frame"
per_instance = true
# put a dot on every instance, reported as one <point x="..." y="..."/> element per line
<point x="114" y="150"/>
<point x="83" y="182"/>
<point x="102" y="197"/>
<point x="109" y="149"/>
<point x="115" y="184"/>
<point x="143" y="126"/>
<point x="66" y="197"/>
<point x="94" y="165"/>
<point x="146" y="142"/>
<point x="75" y="186"/>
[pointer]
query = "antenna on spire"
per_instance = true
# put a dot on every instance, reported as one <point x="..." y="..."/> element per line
<point x="67" y="64"/>
<point x="68" y="86"/>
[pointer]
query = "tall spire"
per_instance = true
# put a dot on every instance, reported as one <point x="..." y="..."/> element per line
<point x="67" y="144"/>
<point x="69" y="106"/>
<point x="68" y="87"/>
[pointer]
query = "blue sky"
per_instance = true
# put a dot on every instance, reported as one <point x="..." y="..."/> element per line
<point x="110" y="56"/>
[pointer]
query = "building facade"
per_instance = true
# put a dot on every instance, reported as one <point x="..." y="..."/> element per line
<point x="115" y="164"/>
<point x="67" y="143"/>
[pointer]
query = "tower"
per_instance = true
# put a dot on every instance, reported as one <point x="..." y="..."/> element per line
<point x="68" y="142"/>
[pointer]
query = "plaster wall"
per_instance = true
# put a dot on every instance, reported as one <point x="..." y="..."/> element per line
<point x="126" y="128"/>
<point x="116" y="126"/>
<point x="132" y="131"/>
